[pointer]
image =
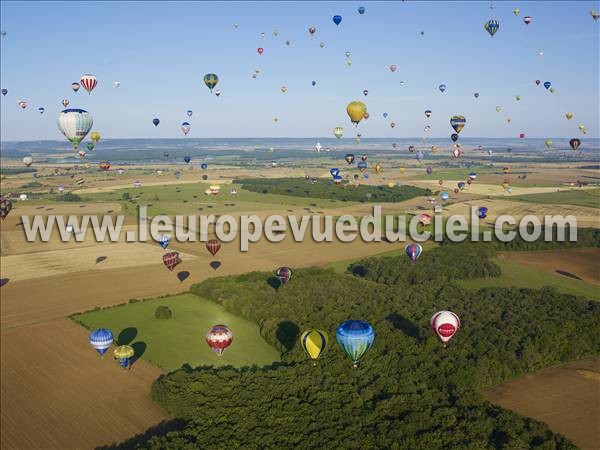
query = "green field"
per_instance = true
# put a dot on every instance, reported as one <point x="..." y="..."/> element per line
<point x="189" y="198"/>
<point x="173" y="342"/>
<point x="526" y="277"/>
<point x="579" y="197"/>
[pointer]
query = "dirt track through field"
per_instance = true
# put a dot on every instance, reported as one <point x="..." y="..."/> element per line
<point x="565" y="397"/>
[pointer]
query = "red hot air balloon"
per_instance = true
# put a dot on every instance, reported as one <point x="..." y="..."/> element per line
<point x="171" y="260"/>
<point x="284" y="274"/>
<point x="522" y="135"/>
<point x="260" y="50"/>
<point x="88" y="82"/>
<point x="104" y="165"/>
<point x="445" y="325"/>
<point x="213" y="246"/>
<point x="219" y="338"/>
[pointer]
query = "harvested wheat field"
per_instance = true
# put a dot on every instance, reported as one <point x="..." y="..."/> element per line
<point x="580" y="263"/>
<point x="57" y="393"/>
<point x="565" y="397"/>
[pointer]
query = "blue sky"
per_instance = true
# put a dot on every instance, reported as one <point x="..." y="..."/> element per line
<point x="160" y="51"/>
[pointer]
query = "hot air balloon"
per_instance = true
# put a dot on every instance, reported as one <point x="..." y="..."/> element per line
<point x="420" y="155"/>
<point x="458" y="123"/>
<point x="424" y="219"/>
<point x="498" y="108"/>
<point x="312" y="30"/>
<point x="413" y="251"/>
<point x="284" y="274"/>
<point x="392" y="124"/>
<point x="219" y="338"/>
<point x="445" y="324"/>
<point x="88" y="82"/>
<point x="442" y="87"/>
<point x="204" y="166"/>
<point x="75" y="124"/>
<point x="434" y="149"/>
<point x="27" y="160"/>
<point x="211" y="80"/>
<point x="101" y="340"/>
<point x="313" y="83"/>
<point x="361" y="9"/>
<point x="349" y="158"/>
<point x="104" y="165"/>
<point x="377" y="168"/>
<point x="518" y="97"/>
<point x="334" y="171"/>
<point x="171" y="259"/>
<point x="337" y="19"/>
<point x="155" y="121"/>
<point x="362" y="166"/>
<point x="4" y="91"/>
<point x="187" y="159"/>
<point x="260" y="50"/>
<point x="461" y="185"/>
<point x="283" y="89"/>
<point x="454" y="137"/>
<point x="322" y="44"/>
<point x="482" y="212"/>
<point x="213" y="246"/>
<point x="548" y="143"/>
<point x="124" y="353"/>
<point x="476" y="94"/>
<point x="393" y="67"/>
<point x="574" y="143"/>
<point x="365" y="92"/>
<point x="456" y="152"/>
<point x="22" y="104"/>
<point x="75" y="86"/>
<point x="41" y="110"/>
<point x="186" y="127"/>
<point x="428" y="113"/>
<point x="5" y="206"/>
<point x="522" y="135"/>
<point x="164" y="241"/>
<point x="527" y="20"/>
<point x="547" y="84"/>
<point x="491" y="26"/>
<point x="189" y="112"/>
<point x="355" y="338"/>
<point x="582" y="128"/>
<point x="81" y="153"/>
<point x="569" y="115"/>
<point x="516" y="11"/>
<point x="444" y="196"/>
<point x="314" y="343"/>
<point x="426" y="129"/>
<point x="429" y="170"/>
<point x="95" y="137"/>
<point x="595" y="15"/>
<point x="356" y="110"/>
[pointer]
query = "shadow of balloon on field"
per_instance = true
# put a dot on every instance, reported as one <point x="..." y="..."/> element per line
<point x="359" y="271"/>
<point x="139" y="349"/>
<point x="215" y="264"/>
<point x="274" y="282"/>
<point x="3" y="281"/>
<point x="127" y="335"/>
<point x="287" y="334"/>
<point x="406" y="326"/>
<point x="99" y="259"/>
<point x="183" y="275"/>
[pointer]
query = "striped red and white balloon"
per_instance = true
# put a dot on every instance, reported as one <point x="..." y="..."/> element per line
<point x="445" y="325"/>
<point x="213" y="246"/>
<point x="88" y="82"/>
<point x="219" y="338"/>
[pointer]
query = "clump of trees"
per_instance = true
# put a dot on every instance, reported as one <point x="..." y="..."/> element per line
<point x="409" y="391"/>
<point x="163" y="312"/>
<point x="296" y="187"/>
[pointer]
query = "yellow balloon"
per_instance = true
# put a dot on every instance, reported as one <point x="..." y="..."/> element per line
<point x="283" y="89"/>
<point x="314" y="343"/>
<point x="95" y="136"/>
<point x="391" y="185"/>
<point x="569" y="115"/>
<point x="356" y="111"/>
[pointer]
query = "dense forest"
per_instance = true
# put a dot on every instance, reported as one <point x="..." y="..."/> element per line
<point x="297" y="187"/>
<point x="408" y="391"/>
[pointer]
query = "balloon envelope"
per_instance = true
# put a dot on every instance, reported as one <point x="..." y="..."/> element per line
<point x="355" y="338"/>
<point x="314" y="343"/>
<point x="75" y="124"/>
